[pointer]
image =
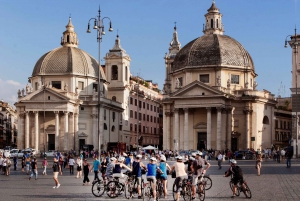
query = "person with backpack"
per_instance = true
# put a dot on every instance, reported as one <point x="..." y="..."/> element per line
<point x="237" y="175"/>
<point x="137" y="166"/>
<point x="198" y="169"/>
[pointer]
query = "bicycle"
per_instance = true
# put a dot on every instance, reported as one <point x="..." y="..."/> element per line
<point x="115" y="188"/>
<point x="200" y="190"/>
<point x="205" y="179"/>
<point x="99" y="187"/>
<point x="148" y="191"/>
<point x="241" y="186"/>
<point x="131" y="189"/>
<point x="159" y="188"/>
<point x="186" y="190"/>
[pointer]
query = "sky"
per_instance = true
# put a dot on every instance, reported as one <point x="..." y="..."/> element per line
<point x="30" y="28"/>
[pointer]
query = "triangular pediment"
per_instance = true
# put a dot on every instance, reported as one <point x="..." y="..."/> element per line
<point x="48" y="95"/>
<point x="196" y="89"/>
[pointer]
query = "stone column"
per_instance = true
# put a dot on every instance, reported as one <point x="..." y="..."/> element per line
<point x="26" y="129"/>
<point x="71" y="131"/>
<point x="230" y="127"/>
<point x="36" y="130"/>
<point x="208" y="117"/>
<point x="12" y="119"/>
<point x="167" y="130"/>
<point x="66" y="131"/>
<point x="186" y="128"/>
<point x="95" y="130"/>
<point x="56" y="130"/>
<point x="176" y="129"/>
<point x="21" y="133"/>
<point x="76" y="132"/>
<point x="247" y="111"/>
<point x="219" y="122"/>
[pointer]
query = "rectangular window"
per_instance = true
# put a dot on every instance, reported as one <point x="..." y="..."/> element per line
<point x="131" y="100"/>
<point x="150" y="118"/>
<point x="135" y="102"/>
<point x="95" y="87"/>
<point x="144" y="118"/>
<point x="143" y="129"/>
<point x="36" y="86"/>
<point x="151" y="107"/>
<point x="235" y="79"/>
<point x="144" y="105"/>
<point x="276" y="123"/>
<point x="154" y="108"/>
<point x="180" y="81"/>
<point x="56" y="84"/>
<point x="147" y="117"/>
<point x="154" y="130"/>
<point x="104" y="115"/>
<point x="135" y="115"/>
<point x="131" y="114"/>
<point x="154" y="119"/>
<point x="80" y="85"/>
<point x="147" y="106"/>
<point x="140" y="116"/>
<point x="140" y="104"/>
<point x="204" y="78"/>
<point x="251" y="83"/>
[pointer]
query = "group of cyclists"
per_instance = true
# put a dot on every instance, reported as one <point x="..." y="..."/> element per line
<point x="158" y="169"/>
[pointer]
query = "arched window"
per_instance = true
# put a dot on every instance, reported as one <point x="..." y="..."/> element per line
<point x="217" y="23"/>
<point x="135" y="127"/>
<point x="130" y="127"/>
<point x="105" y="126"/>
<point x="211" y="23"/>
<point x="131" y="114"/>
<point x="113" y="128"/>
<point x="114" y="72"/>
<point x="114" y="98"/>
<point x="68" y="38"/>
<point x="266" y="120"/>
<point x="126" y="73"/>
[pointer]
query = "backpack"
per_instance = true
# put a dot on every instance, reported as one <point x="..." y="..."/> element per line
<point x="237" y="171"/>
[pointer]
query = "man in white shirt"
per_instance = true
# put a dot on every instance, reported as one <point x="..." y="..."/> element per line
<point x="282" y="154"/>
<point x="71" y="164"/>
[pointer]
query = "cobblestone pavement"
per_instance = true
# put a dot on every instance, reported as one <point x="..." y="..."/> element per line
<point x="275" y="183"/>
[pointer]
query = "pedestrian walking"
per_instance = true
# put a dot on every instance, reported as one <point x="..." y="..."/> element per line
<point x="8" y="163"/>
<point x="86" y="168"/>
<point x="34" y="169"/>
<point x="27" y="165"/>
<point x="15" y="159"/>
<point x="220" y="160"/>
<point x="44" y="165"/>
<point x="79" y="167"/>
<point x="288" y="156"/>
<point x="23" y="163"/>
<point x="56" y="169"/>
<point x="61" y="164"/>
<point x="71" y="165"/>
<point x="96" y="168"/>
<point x="258" y="164"/>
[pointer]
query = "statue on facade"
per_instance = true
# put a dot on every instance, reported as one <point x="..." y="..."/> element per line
<point x="177" y="83"/>
<point x="218" y="81"/>
<point x="255" y="85"/>
<point x="27" y="89"/>
<point x="94" y="91"/>
<point x="228" y="83"/>
<point x="76" y="90"/>
<point x="66" y="87"/>
<point x="19" y="93"/>
<point x="166" y="89"/>
<point x="246" y="85"/>
<point x="23" y="92"/>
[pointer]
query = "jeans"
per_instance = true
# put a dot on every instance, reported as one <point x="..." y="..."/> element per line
<point x="96" y="175"/>
<point x="71" y="169"/>
<point x="288" y="162"/>
<point x="34" y="172"/>
<point x="15" y="166"/>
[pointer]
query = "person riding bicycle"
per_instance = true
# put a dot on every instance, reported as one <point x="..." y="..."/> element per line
<point x="137" y="166"/>
<point x="109" y="168"/>
<point x="151" y="174"/>
<point x="117" y="170"/>
<point x="163" y="166"/>
<point x="179" y="168"/>
<point x="198" y="169"/>
<point x="237" y="175"/>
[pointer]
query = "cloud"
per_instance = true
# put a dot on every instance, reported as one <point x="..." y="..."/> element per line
<point x="13" y="82"/>
<point x="9" y="91"/>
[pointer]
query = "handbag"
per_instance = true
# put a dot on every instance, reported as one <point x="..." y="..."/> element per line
<point x="173" y="174"/>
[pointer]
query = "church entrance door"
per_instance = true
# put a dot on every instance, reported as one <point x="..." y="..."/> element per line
<point x="202" y="138"/>
<point x="51" y="141"/>
<point x="234" y="144"/>
<point x="81" y="143"/>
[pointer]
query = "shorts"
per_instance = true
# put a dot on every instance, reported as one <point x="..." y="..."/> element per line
<point x="235" y="181"/>
<point x="55" y="174"/>
<point x="119" y="175"/>
<point x="138" y="181"/>
<point x="163" y="177"/>
<point x="78" y="168"/>
<point x="153" y="178"/>
<point x="195" y="180"/>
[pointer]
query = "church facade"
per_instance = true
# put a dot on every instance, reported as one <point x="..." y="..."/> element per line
<point x="210" y="96"/>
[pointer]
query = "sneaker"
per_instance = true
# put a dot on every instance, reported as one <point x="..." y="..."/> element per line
<point x="193" y="198"/>
<point x="233" y="196"/>
<point x="54" y="186"/>
<point x="58" y="185"/>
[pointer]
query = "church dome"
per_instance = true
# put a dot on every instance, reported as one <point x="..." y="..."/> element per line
<point x="213" y="50"/>
<point x="68" y="59"/>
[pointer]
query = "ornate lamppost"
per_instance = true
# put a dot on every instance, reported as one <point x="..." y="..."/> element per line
<point x="98" y="25"/>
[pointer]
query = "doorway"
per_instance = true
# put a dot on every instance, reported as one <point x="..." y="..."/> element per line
<point x="234" y="144"/>
<point x="202" y="138"/>
<point x="81" y="143"/>
<point x="51" y="141"/>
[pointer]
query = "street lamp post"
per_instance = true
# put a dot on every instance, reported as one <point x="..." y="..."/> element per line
<point x="98" y="24"/>
<point x="137" y="87"/>
<point x="294" y="45"/>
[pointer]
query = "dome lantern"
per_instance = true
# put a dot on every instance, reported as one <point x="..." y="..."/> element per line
<point x="69" y="38"/>
<point x="213" y="21"/>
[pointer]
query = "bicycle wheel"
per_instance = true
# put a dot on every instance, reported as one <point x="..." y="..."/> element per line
<point x="174" y="191"/>
<point x="147" y="192"/>
<point x="246" y="190"/>
<point x="201" y="191"/>
<point x="98" y="188"/>
<point x="207" y="182"/>
<point x="187" y="192"/>
<point x="129" y="190"/>
<point x="159" y="190"/>
<point x="112" y="189"/>
<point x="237" y="192"/>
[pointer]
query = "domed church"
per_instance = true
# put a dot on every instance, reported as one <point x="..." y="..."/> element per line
<point x="59" y="108"/>
<point x="211" y="99"/>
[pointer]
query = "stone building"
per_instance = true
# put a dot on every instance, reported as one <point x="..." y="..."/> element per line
<point x="8" y="125"/>
<point x="58" y="108"/>
<point x="210" y="98"/>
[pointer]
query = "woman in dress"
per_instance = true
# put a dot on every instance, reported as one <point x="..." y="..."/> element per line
<point x="79" y="167"/>
<point x="258" y="164"/>
<point x="86" y="168"/>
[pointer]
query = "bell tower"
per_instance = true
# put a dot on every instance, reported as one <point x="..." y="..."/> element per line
<point x="213" y="21"/>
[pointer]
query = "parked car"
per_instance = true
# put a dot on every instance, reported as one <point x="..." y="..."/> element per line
<point x="49" y="153"/>
<point x="248" y="154"/>
<point x="14" y="152"/>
